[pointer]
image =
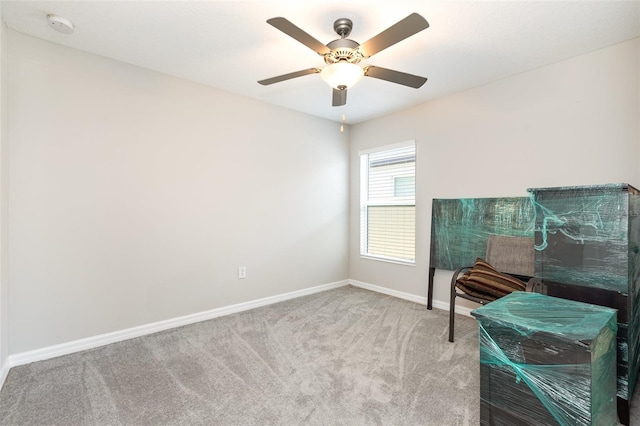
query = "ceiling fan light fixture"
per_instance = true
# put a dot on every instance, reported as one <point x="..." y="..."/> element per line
<point x="342" y="75"/>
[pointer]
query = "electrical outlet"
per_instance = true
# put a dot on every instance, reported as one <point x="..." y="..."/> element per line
<point x="242" y="272"/>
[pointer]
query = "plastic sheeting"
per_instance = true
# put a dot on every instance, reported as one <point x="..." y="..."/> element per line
<point x="589" y="236"/>
<point x="461" y="227"/>
<point x="582" y="235"/>
<point x="546" y="360"/>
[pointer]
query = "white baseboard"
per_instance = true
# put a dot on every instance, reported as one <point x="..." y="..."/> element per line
<point x="130" y="333"/>
<point x="390" y="292"/>
<point x="462" y="310"/>
<point x="4" y="372"/>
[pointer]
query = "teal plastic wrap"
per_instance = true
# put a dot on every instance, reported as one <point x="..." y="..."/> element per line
<point x="461" y="227"/>
<point x="589" y="237"/>
<point x="582" y="235"/>
<point x="633" y="327"/>
<point x="545" y="360"/>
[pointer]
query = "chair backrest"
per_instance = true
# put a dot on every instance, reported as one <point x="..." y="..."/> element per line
<point x="513" y="255"/>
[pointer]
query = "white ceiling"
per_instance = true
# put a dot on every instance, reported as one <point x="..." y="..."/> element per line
<point x="228" y="44"/>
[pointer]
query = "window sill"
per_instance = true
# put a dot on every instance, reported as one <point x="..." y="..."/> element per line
<point x="388" y="260"/>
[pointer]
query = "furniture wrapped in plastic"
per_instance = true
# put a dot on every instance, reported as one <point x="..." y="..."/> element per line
<point x="460" y="228"/>
<point x="588" y="249"/>
<point x="546" y="360"/>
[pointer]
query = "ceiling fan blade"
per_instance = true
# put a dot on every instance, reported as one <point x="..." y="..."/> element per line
<point x="339" y="97"/>
<point x="398" y="77"/>
<point x="292" y="31"/>
<point x="289" y="76"/>
<point x="407" y="27"/>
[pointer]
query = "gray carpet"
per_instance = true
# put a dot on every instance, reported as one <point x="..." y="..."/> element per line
<point x="342" y="357"/>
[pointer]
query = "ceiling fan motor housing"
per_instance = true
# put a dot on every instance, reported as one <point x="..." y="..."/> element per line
<point x="343" y="27"/>
<point x="343" y="49"/>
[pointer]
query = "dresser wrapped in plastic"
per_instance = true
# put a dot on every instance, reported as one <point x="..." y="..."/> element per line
<point x="546" y="360"/>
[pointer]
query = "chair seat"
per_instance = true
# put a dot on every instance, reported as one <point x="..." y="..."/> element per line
<point x="473" y="298"/>
<point x="508" y="267"/>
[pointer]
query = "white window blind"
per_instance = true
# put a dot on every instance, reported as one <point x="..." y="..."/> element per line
<point x="387" y="203"/>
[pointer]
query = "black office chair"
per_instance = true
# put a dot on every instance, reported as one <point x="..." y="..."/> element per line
<point x="507" y="257"/>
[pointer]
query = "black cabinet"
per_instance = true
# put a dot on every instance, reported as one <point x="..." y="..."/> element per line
<point x="588" y="249"/>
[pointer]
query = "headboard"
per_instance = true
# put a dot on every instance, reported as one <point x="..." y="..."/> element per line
<point x="460" y="229"/>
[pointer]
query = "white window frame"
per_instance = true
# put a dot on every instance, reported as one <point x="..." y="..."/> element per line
<point x="396" y="201"/>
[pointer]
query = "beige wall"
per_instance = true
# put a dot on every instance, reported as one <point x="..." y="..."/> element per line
<point x="4" y="287"/>
<point x="571" y="123"/>
<point x="134" y="197"/>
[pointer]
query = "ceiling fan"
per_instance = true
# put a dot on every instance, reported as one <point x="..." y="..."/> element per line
<point x="343" y="55"/>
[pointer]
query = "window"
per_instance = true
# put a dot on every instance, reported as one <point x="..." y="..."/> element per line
<point x="404" y="186"/>
<point x="388" y="203"/>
